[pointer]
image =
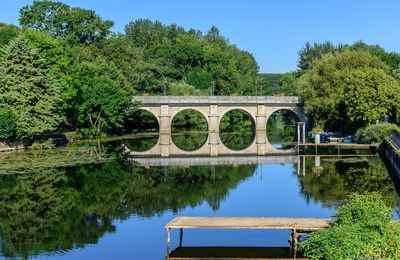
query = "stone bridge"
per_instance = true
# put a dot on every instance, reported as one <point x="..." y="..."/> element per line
<point x="213" y="108"/>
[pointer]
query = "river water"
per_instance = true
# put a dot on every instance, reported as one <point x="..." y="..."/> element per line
<point x="91" y="201"/>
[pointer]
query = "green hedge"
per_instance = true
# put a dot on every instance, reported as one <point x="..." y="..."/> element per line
<point x="376" y="133"/>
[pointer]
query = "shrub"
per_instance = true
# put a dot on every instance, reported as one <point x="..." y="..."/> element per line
<point x="362" y="229"/>
<point x="45" y="144"/>
<point x="376" y="133"/>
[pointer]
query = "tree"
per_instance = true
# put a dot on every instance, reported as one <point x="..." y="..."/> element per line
<point x="310" y="53"/>
<point x="27" y="89"/>
<point x="75" y="24"/>
<point x="181" y="88"/>
<point x="145" y="33"/>
<point x="101" y="99"/>
<point x="370" y="95"/>
<point x="7" y="33"/>
<point x="338" y="87"/>
<point x="288" y="84"/>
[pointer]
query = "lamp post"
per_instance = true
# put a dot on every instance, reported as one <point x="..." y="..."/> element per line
<point x="212" y="87"/>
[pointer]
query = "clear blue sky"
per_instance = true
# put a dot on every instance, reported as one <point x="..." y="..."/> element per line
<point x="274" y="31"/>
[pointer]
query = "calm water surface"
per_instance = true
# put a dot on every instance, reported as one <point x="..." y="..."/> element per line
<point x="89" y="201"/>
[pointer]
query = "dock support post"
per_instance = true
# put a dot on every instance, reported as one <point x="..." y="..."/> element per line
<point x="168" y="243"/>
<point x="180" y="237"/>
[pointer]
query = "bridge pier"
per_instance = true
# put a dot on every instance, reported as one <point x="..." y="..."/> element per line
<point x="261" y="125"/>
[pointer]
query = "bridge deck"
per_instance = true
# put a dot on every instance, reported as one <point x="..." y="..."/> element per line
<point x="249" y="223"/>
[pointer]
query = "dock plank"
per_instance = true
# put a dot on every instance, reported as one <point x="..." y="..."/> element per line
<point x="249" y="223"/>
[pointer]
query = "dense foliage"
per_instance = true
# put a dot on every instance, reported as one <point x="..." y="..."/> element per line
<point x="83" y="75"/>
<point x="348" y="86"/>
<point x="362" y="229"/>
<point x="338" y="89"/>
<point x="27" y="90"/>
<point x="376" y="133"/>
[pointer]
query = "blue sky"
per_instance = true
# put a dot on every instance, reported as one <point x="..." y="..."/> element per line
<point x="274" y="31"/>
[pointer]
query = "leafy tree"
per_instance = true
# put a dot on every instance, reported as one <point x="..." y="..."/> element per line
<point x="199" y="78"/>
<point x="288" y="84"/>
<point x="364" y="84"/>
<point x="27" y="89"/>
<point x="181" y="88"/>
<point x="120" y="50"/>
<point x="338" y="86"/>
<point x="145" y="33"/>
<point x="7" y="33"/>
<point x="75" y="24"/>
<point x="101" y="99"/>
<point x="310" y="53"/>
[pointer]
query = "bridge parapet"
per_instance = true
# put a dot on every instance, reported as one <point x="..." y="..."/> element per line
<point x="216" y="100"/>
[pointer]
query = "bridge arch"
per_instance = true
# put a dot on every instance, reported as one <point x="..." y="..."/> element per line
<point x="252" y="111"/>
<point x="195" y="129"/>
<point x="237" y="137"/>
<point x="281" y="129"/>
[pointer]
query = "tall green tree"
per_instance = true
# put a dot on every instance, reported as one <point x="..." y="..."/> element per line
<point x="78" y="25"/>
<point x="27" y="89"/>
<point x="350" y="86"/>
<point x="101" y="98"/>
<point x="7" y="33"/>
<point x="310" y="53"/>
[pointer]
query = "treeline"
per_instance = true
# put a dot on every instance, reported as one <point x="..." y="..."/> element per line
<point x="345" y="87"/>
<point x="64" y="70"/>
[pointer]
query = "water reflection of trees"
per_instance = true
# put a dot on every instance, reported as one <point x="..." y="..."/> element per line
<point x="48" y="209"/>
<point x="343" y="176"/>
<point x="281" y="128"/>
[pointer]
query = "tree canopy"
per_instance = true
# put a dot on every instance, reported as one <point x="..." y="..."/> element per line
<point x="28" y="91"/>
<point x="349" y="86"/>
<point x="60" y="20"/>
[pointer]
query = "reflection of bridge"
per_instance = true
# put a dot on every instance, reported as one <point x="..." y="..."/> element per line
<point x="213" y="108"/>
<point x="219" y="160"/>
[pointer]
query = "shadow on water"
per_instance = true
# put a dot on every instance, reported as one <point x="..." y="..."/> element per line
<point x="234" y="253"/>
<point x="141" y="144"/>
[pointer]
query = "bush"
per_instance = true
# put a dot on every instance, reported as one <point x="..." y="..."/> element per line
<point x="46" y="144"/>
<point x="362" y="230"/>
<point x="376" y="133"/>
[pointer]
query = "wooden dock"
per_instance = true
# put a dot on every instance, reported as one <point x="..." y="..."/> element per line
<point x="298" y="226"/>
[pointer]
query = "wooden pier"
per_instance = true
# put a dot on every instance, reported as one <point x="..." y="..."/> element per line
<point x="298" y="226"/>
